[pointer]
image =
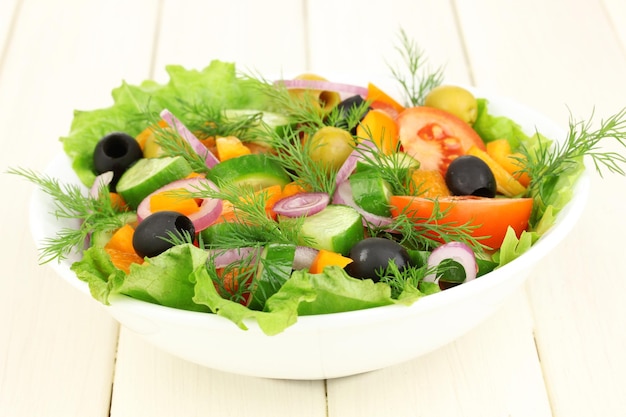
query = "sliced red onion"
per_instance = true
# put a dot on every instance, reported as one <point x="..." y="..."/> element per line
<point x="324" y="85"/>
<point x="100" y="182"/>
<point x="301" y="204"/>
<point x="222" y="258"/>
<point x="209" y="158"/>
<point x="210" y="208"/>
<point x="343" y="195"/>
<point x="458" y="252"/>
<point x="355" y="156"/>
<point x="304" y="257"/>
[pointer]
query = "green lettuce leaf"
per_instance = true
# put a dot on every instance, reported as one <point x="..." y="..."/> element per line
<point x="490" y="127"/>
<point x="166" y="279"/>
<point x="303" y="294"/>
<point x="216" y="86"/>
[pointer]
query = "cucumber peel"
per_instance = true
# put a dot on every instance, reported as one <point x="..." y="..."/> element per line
<point x="336" y="228"/>
<point x="148" y="175"/>
<point x="371" y="192"/>
<point x="256" y="170"/>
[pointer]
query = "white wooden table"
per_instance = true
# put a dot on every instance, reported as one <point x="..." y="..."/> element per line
<point x="557" y="349"/>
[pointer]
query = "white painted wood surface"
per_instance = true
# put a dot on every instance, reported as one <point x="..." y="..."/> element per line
<point x="556" y="349"/>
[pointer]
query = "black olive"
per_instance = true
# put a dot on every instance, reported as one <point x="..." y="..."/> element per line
<point x="116" y="152"/>
<point x="470" y="175"/>
<point x="153" y="235"/>
<point x="345" y="107"/>
<point x="371" y="256"/>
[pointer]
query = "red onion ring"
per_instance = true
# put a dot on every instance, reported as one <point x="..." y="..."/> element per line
<point x="210" y="208"/>
<point x="301" y="204"/>
<point x="343" y="195"/>
<point x="100" y="182"/>
<point x="323" y="85"/>
<point x="209" y="158"/>
<point x="355" y="156"/>
<point x="458" y="252"/>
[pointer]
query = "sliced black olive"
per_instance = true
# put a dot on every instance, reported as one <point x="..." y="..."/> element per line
<point x="470" y="175"/>
<point x="371" y="257"/>
<point x="116" y="152"/>
<point x="153" y="235"/>
<point x="345" y="107"/>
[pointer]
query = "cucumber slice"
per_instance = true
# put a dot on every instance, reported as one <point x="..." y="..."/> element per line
<point x="371" y="192"/>
<point x="149" y="174"/>
<point x="273" y="271"/>
<point x="257" y="170"/>
<point x="336" y="228"/>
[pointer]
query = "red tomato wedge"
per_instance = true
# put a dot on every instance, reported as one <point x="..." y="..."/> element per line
<point x="435" y="137"/>
<point x="491" y="216"/>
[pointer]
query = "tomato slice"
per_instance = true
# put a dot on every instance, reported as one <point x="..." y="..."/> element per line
<point x="491" y="216"/>
<point x="435" y="137"/>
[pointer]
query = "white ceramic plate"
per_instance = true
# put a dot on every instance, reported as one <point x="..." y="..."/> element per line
<point x="331" y="345"/>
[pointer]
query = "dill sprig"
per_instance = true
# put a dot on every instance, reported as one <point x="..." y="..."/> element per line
<point x="545" y="163"/>
<point x="299" y="109"/>
<point x="395" y="168"/>
<point x="293" y="153"/>
<point x="70" y="202"/>
<point x="251" y="226"/>
<point x="421" y="79"/>
<point x="427" y="233"/>
<point x="209" y="121"/>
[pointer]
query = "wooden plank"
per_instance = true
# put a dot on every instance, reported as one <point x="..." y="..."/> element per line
<point x="151" y="382"/>
<point x="552" y="54"/>
<point x="57" y="344"/>
<point x="491" y="371"/>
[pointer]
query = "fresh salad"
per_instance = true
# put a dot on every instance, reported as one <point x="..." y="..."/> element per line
<point x="231" y="194"/>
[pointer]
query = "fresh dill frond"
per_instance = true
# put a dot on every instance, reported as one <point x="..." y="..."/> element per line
<point x="213" y="122"/>
<point x="427" y="233"/>
<point x="399" y="280"/>
<point x="95" y="214"/>
<point x="234" y="280"/>
<point x="251" y="225"/>
<point x="421" y="78"/>
<point x="293" y="153"/>
<point x="300" y="109"/>
<point x="546" y="162"/>
<point x="395" y="168"/>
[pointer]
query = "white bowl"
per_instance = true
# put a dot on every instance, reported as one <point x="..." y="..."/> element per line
<point x="332" y="345"/>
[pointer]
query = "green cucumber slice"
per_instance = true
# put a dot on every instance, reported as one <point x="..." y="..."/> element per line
<point x="149" y="174"/>
<point x="256" y="170"/>
<point x="371" y="192"/>
<point x="273" y="271"/>
<point x="336" y="228"/>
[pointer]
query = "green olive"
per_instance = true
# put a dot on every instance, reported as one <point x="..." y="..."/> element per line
<point x="331" y="146"/>
<point x="455" y="100"/>
<point x="151" y="149"/>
